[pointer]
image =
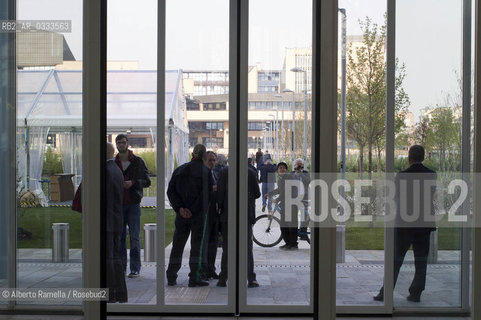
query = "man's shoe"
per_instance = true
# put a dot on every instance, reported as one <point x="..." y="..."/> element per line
<point x="200" y="283"/>
<point x="214" y="276"/>
<point x="284" y="247"/>
<point x="133" y="274"/>
<point x="222" y="283"/>
<point x="171" y="282"/>
<point x="263" y="208"/>
<point x="304" y="237"/>
<point x="252" y="284"/>
<point x="413" y="298"/>
<point x="295" y="247"/>
<point x="379" y="297"/>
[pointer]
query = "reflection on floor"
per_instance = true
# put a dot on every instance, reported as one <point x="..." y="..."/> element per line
<point x="284" y="278"/>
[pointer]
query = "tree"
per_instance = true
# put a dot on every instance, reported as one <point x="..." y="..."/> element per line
<point x="366" y="93"/>
<point x="443" y="134"/>
<point x="421" y="132"/>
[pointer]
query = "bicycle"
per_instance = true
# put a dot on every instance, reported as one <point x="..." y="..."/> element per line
<point x="266" y="230"/>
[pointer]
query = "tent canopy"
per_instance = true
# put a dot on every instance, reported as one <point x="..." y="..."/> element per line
<point x="53" y="98"/>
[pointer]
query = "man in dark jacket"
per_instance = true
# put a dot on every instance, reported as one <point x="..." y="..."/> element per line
<point x="259" y="155"/>
<point x="268" y="179"/>
<point x="303" y="178"/>
<point x="288" y="227"/>
<point x="136" y="177"/>
<point x="222" y="196"/>
<point x="114" y="196"/>
<point x="415" y="188"/>
<point x="189" y="194"/>
<point x="211" y="232"/>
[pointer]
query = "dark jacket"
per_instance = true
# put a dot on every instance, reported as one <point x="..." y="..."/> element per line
<point x="253" y="193"/>
<point x="190" y="187"/>
<point x="138" y="174"/>
<point x="259" y="154"/>
<point x="303" y="177"/>
<point x="114" y="195"/>
<point x="280" y="190"/>
<point x="222" y="194"/>
<point x="414" y="187"/>
<point x="217" y="169"/>
<point x="268" y="173"/>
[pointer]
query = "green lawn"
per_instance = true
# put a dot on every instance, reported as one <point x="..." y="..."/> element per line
<point x="366" y="238"/>
<point x="39" y="221"/>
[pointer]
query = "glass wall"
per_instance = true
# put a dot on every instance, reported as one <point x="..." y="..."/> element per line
<point x="173" y="240"/>
<point x="279" y="126"/>
<point x="361" y="150"/>
<point x="430" y="66"/>
<point x="49" y="233"/>
<point x="131" y="128"/>
<point x="194" y="215"/>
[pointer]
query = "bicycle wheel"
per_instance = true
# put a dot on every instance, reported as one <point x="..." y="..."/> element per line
<point x="267" y="231"/>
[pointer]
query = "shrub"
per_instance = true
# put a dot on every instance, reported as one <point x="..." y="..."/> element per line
<point x="52" y="163"/>
<point x="149" y="158"/>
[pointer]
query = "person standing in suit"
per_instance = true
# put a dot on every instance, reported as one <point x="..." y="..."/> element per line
<point x="414" y="222"/>
<point x="189" y="192"/>
<point x="222" y="196"/>
<point x="114" y="217"/>
<point x="211" y="233"/>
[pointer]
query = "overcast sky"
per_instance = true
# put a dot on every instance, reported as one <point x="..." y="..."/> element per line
<point x="428" y="35"/>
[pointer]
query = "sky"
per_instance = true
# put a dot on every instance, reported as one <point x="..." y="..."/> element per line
<point x="428" y="35"/>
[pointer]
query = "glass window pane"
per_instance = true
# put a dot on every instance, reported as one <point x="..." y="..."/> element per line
<point x="432" y="68"/>
<point x="361" y="153"/>
<point x="282" y="267"/>
<point x="131" y="128"/>
<point x="197" y="39"/>
<point x="49" y="150"/>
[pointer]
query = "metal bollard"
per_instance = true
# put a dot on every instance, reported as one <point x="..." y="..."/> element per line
<point x="340" y="243"/>
<point x="433" y="247"/>
<point x="60" y="244"/>
<point x="150" y="232"/>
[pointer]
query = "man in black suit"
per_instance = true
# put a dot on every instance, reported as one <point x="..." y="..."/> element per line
<point x="189" y="193"/>
<point x="222" y="196"/>
<point x="414" y="221"/>
<point x="114" y="180"/>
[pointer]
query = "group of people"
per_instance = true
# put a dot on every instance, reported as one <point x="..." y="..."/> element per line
<point x="414" y="211"/>
<point x="267" y="177"/>
<point x="198" y="193"/>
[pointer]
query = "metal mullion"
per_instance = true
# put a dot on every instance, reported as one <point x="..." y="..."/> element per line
<point x="160" y="145"/>
<point x="324" y="155"/>
<point x="476" y="235"/>
<point x="12" y="132"/>
<point x="239" y="65"/>
<point x="232" y="257"/>
<point x="390" y="114"/>
<point x="466" y="149"/>
<point x="94" y="130"/>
